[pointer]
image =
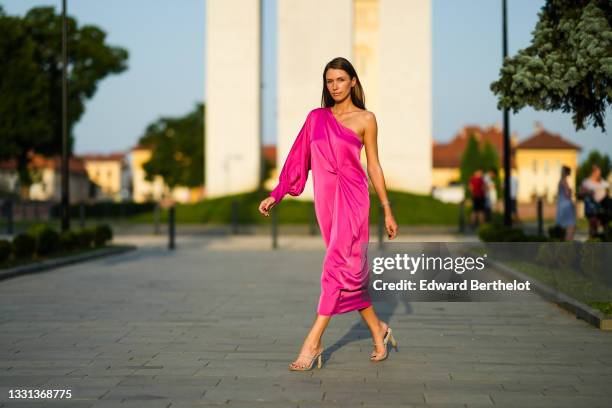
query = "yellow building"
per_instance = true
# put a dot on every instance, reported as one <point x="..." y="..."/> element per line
<point x="539" y="159"/>
<point x="156" y="190"/>
<point x="107" y="171"/>
<point x="447" y="156"/>
<point x="47" y="179"/>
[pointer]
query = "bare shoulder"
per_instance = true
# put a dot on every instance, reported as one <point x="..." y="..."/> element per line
<point x="368" y="118"/>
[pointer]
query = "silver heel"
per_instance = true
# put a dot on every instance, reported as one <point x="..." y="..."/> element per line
<point x="393" y="341"/>
<point x="388" y="336"/>
<point x="317" y="357"/>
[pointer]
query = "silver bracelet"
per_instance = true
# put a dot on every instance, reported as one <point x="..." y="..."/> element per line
<point x="382" y="205"/>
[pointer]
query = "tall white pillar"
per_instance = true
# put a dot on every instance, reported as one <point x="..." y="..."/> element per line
<point x="232" y="111"/>
<point x="310" y="34"/>
<point x="404" y="96"/>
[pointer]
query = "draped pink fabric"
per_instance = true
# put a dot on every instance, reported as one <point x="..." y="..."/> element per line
<point x="332" y="152"/>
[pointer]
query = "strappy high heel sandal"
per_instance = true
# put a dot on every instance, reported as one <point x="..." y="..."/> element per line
<point x="388" y="337"/>
<point x="312" y="360"/>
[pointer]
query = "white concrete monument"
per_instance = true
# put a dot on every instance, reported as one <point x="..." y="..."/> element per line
<point x="389" y="43"/>
<point x="233" y="146"/>
<point x="310" y="34"/>
<point x="404" y="92"/>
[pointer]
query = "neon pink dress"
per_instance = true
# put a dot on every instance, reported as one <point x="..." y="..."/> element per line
<point x="342" y="203"/>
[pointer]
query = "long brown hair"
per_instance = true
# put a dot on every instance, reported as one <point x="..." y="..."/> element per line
<point x="357" y="95"/>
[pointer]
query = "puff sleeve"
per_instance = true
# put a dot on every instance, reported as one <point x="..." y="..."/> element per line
<point x="294" y="174"/>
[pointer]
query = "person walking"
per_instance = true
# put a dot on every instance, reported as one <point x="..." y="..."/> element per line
<point x="329" y="144"/>
<point x="477" y="192"/>
<point x="566" y="210"/>
<point x="595" y="191"/>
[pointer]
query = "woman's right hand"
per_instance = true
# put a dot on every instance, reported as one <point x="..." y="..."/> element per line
<point x="390" y="225"/>
<point x="266" y="204"/>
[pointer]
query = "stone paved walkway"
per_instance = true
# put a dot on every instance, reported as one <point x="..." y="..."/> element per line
<point x="216" y="323"/>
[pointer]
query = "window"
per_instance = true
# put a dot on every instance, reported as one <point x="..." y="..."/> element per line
<point x="545" y="166"/>
<point x="535" y="166"/>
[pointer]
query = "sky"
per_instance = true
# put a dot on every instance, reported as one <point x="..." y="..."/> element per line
<point x="166" y="71"/>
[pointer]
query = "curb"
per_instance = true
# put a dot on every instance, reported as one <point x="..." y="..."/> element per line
<point x="48" y="264"/>
<point x="581" y="310"/>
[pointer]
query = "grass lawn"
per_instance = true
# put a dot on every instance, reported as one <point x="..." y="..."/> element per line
<point x="572" y="283"/>
<point x="409" y="209"/>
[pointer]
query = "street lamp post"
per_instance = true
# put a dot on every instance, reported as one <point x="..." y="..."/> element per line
<point x="507" y="152"/>
<point x="65" y="205"/>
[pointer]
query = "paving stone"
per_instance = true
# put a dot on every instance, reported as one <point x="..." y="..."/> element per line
<point x="217" y="322"/>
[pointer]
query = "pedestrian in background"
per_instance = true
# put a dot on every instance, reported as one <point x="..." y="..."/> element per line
<point x="566" y="210"/>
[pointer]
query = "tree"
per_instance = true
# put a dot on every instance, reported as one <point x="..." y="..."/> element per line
<point x="489" y="159"/>
<point x="178" y="149"/>
<point x="25" y="96"/>
<point x="584" y="170"/>
<point x="34" y="42"/>
<point x="470" y="160"/>
<point x="568" y="65"/>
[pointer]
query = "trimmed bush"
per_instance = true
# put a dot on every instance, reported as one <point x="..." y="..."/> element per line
<point x="47" y="241"/>
<point x="489" y="233"/>
<point x="513" y="235"/>
<point x="5" y="250"/>
<point x="36" y="229"/>
<point x="24" y="246"/>
<point x="102" y="234"/>
<point x="67" y="241"/>
<point x="84" y="238"/>
<point x="494" y="232"/>
<point x="556" y="233"/>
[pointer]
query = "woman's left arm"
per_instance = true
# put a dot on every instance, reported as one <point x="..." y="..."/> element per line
<point x="375" y="171"/>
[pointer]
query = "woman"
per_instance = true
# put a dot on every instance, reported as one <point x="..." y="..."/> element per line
<point x="595" y="190"/>
<point x="566" y="211"/>
<point x="329" y="144"/>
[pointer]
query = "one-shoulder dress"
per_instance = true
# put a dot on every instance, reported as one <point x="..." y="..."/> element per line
<point x="342" y="202"/>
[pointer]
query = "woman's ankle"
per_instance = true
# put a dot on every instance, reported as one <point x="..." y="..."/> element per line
<point x="382" y="328"/>
<point x="312" y="344"/>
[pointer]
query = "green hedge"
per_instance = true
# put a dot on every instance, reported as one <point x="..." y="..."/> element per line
<point x="24" y="246"/>
<point x="495" y="232"/>
<point x="67" y="241"/>
<point x="5" y="250"/>
<point x="47" y="239"/>
<point x="42" y="240"/>
<point x="408" y="209"/>
<point x="106" y="209"/>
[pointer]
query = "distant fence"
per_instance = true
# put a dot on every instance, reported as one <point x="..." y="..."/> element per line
<point x="16" y="210"/>
<point x="19" y="210"/>
<point x="105" y="209"/>
<point x="46" y="210"/>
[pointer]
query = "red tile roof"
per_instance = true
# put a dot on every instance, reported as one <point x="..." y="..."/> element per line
<point x="542" y="139"/>
<point x="117" y="156"/>
<point x="139" y="147"/>
<point x="37" y="161"/>
<point x="449" y="154"/>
